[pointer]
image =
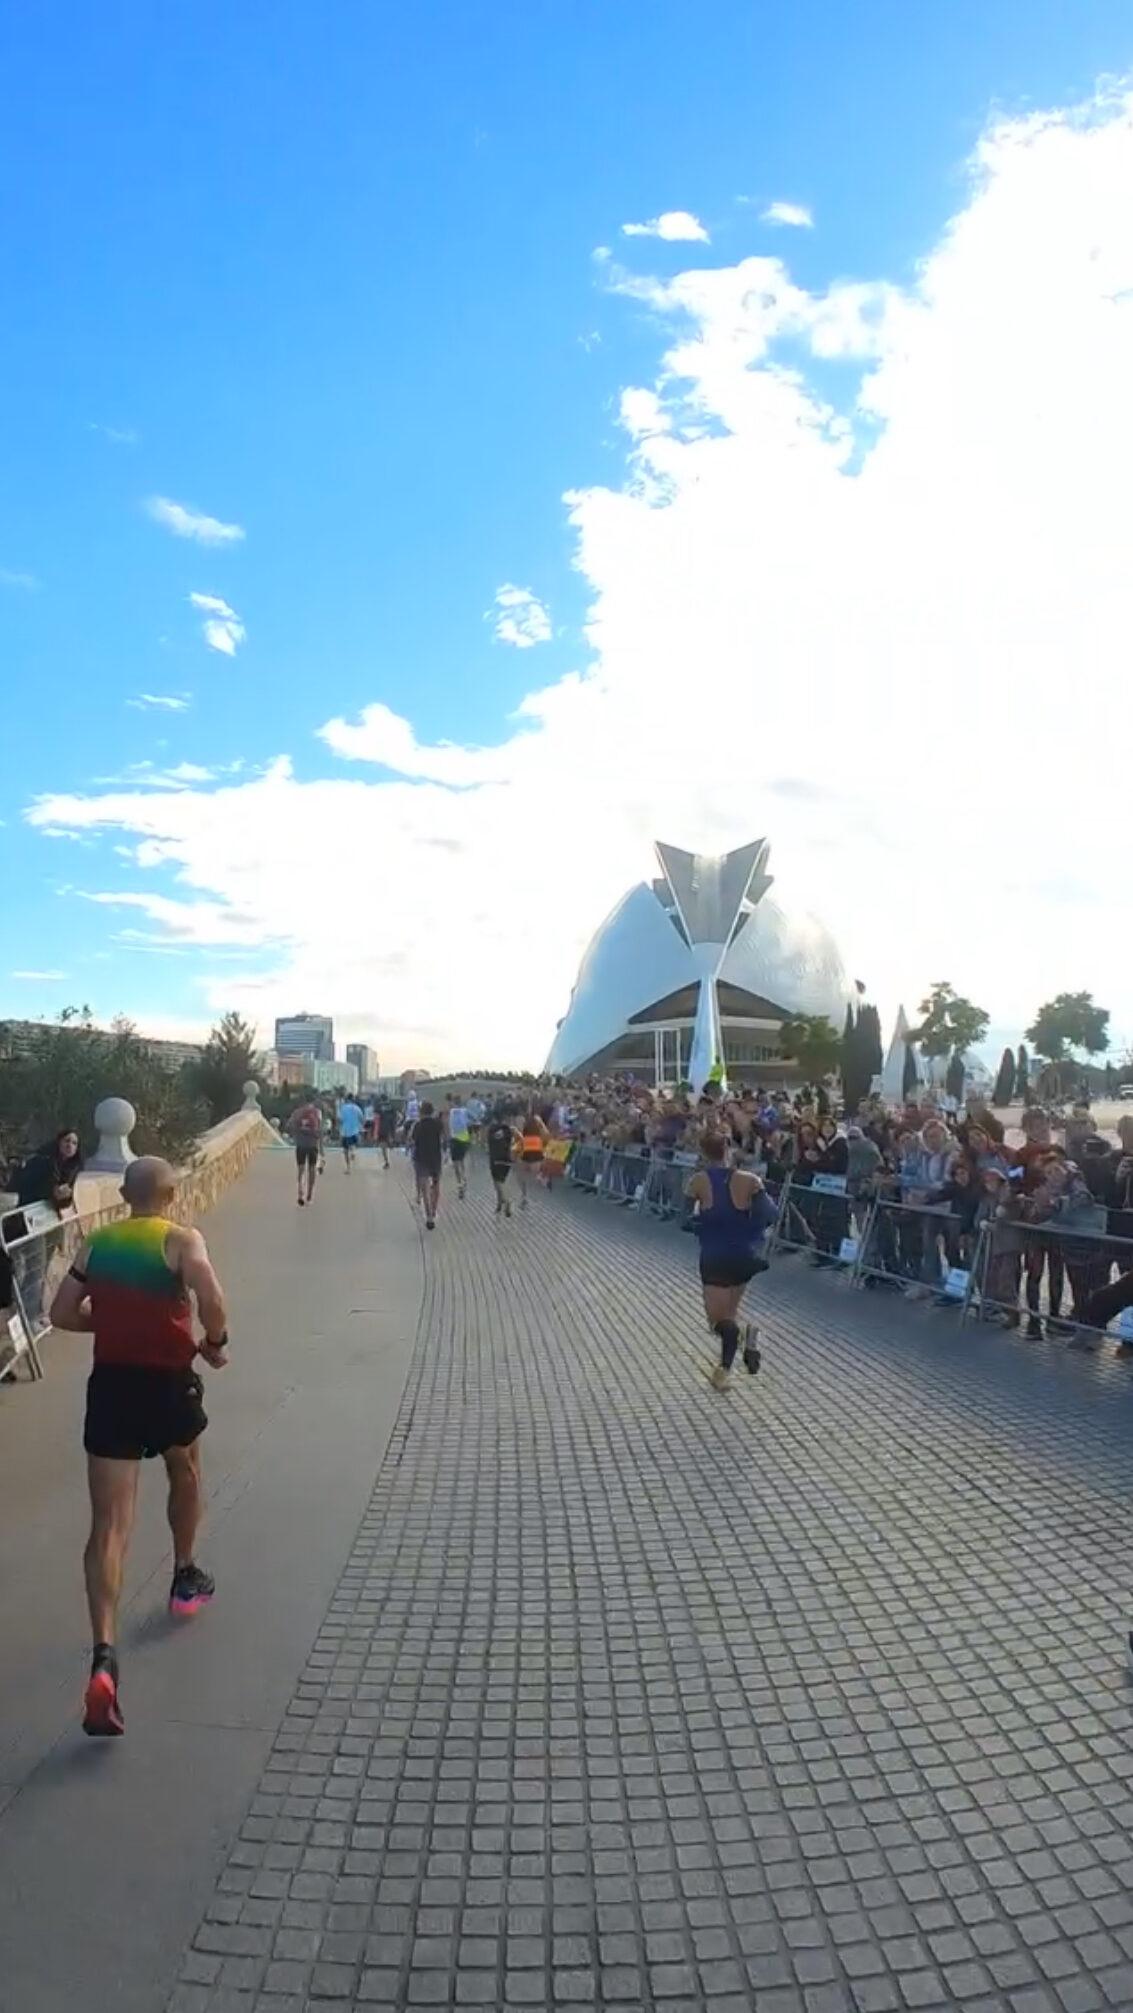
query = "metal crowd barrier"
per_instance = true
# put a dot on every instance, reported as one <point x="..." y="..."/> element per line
<point x="918" y="1247"/>
<point x="39" y="1244"/>
<point x="631" y="1177"/>
<point x="1022" y="1271"/>
<point x="814" y="1216"/>
<point x="914" y="1244"/>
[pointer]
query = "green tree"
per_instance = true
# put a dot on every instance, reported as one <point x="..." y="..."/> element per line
<point x="1005" y="1081"/>
<point x="70" y="1066"/>
<point x="954" y="1080"/>
<point x="909" y="1072"/>
<point x="1069" y="1022"/>
<point x="1023" y="1074"/>
<point x="869" y="1032"/>
<point x="861" y="1055"/>
<point x="849" y="1062"/>
<point x="810" y="1041"/>
<point x="950" y="1023"/>
<point x="229" y="1061"/>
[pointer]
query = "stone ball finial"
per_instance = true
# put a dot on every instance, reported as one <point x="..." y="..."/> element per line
<point x="251" y="1095"/>
<point x="115" y="1119"/>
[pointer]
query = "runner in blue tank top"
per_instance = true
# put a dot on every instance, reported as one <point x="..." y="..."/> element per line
<point x="735" y="1214"/>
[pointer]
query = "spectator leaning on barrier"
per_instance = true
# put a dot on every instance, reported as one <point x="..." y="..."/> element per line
<point x="51" y="1173"/>
<point x="1064" y="1201"/>
<point x="999" y="1209"/>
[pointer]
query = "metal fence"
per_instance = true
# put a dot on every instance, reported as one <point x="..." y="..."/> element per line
<point x="1035" y="1272"/>
<point x="632" y="1177"/>
<point x="1014" y="1273"/>
<point x="38" y="1245"/>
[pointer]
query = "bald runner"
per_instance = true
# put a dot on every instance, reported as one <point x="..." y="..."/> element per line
<point x="136" y="1286"/>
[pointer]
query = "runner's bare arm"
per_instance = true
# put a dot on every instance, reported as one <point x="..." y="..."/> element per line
<point x="195" y="1267"/>
<point x="70" y="1308"/>
<point x="695" y="1187"/>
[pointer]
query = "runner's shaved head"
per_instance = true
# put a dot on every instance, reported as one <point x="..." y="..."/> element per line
<point x="147" y="1181"/>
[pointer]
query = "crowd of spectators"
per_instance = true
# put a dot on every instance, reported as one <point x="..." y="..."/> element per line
<point x="1057" y="1199"/>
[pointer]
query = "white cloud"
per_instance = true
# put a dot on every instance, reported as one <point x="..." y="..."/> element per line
<point x="385" y="738"/>
<point x="795" y="215"/>
<point x="169" y="702"/>
<point x="674" y="226"/>
<point x="864" y="629"/>
<point x="37" y="975"/>
<point x="185" y="522"/>
<point x="118" y="436"/>
<point x="520" y="618"/>
<point x="641" y="412"/>
<point x="25" y="582"/>
<point x="222" y="628"/>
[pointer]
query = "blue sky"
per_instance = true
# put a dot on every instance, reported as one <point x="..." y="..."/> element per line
<point x="331" y="280"/>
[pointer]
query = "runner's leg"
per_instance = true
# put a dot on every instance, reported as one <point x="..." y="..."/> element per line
<point x="113" y="1500"/>
<point x="721" y="1304"/>
<point x="186" y="1499"/>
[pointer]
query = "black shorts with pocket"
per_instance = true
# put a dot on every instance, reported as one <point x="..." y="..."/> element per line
<point x="133" y="1414"/>
<point x="306" y="1156"/>
<point x="730" y="1271"/>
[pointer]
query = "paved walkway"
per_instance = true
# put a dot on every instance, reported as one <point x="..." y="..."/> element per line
<point x="810" y="1698"/>
<point x="632" y="1696"/>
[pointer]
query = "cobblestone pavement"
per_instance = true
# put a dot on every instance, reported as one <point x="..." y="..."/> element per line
<point x="810" y="1697"/>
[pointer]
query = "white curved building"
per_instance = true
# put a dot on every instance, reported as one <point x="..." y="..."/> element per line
<point x="696" y="972"/>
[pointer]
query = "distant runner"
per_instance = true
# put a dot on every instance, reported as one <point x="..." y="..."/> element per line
<point x="386" y="1128"/>
<point x="504" y="1142"/>
<point x="427" y="1146"/>
<point x="534" y="1137"/>
<point x="459" y="1141"/>
<point x="350" y="1125"/>
<point x="735" y="1213"/>
<point x="306" y="1128"/>
<point x="132" y="1286"/>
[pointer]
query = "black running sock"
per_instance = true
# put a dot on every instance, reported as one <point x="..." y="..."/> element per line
<point x="729" y="1342"/>
<point x="105" y="1658"/>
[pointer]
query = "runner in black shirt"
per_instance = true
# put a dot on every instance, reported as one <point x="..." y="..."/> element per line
<point x="503" y="1143"/>
<point x="428" y="1142"/>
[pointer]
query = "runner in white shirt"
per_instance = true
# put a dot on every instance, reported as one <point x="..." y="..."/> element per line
<point x="459" y="1140"/>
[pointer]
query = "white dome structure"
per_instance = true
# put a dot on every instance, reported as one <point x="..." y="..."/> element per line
<point x="694" y="975"/>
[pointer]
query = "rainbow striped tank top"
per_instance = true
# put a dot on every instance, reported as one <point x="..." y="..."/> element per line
<point x="142" y="1313"/>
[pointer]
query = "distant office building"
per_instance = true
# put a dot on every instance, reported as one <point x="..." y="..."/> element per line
<point x="365" y="1061"/>
<point x="326" y="1074"/>
<point x="21" y="1037"/>
<point x="309" y="1034"/>
<point x="286" y="1071"/>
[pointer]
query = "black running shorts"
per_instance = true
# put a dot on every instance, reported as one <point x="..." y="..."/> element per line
<point x="134" y="1414"/>
<point x="458" y="1149"/>
<point x="427" y="1170"/>
<point x="499" y="1169"/>
<point x="730" y="1271"/>
<point x="307" y="1156"/>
